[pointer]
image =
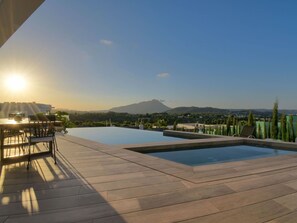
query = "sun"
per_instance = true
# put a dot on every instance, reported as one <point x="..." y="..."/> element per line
<point x="15" y="83"/>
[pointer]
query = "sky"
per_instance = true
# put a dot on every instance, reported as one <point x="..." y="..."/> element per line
<point x="95" y="54"/>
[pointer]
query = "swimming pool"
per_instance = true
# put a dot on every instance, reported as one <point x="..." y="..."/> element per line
<point x="116" y="135"/>
<point x="203" y="156"/>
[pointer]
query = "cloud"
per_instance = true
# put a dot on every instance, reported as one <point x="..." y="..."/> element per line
<point x="163" y="75"/>
<point x="106" y="42"/>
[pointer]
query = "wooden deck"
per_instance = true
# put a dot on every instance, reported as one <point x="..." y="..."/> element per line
<point x="98" y="183"/>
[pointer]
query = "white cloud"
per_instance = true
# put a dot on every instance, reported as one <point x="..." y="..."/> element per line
<point x="106" y="42"/>
<point x="163" y="75"/>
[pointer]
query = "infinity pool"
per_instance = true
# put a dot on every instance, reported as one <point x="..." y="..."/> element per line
<point x="200" y="156"/>
<point x="116" y="135"/>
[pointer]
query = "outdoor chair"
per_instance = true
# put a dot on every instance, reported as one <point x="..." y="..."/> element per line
<point x="42" y="132"/>
<point x="247" y="132"/>
<point x="14" y="141"/>
<point x="14" y="136"/>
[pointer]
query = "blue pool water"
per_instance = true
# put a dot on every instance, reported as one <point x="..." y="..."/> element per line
<point x="116" y="135"/>
<point x="195" y="157"/>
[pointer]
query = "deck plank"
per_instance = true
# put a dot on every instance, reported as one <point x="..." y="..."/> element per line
<point x="94" y="182"/>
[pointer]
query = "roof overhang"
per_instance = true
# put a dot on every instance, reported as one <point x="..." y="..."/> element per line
<point x="13" y="13"/>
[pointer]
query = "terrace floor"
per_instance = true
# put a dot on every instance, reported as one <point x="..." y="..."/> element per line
<point x="98" y="183"/>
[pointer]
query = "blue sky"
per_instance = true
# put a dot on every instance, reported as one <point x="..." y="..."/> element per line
<point x="95" y="54"/>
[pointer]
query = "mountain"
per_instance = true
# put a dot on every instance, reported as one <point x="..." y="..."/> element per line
<point x="183" y="110"/>
<point x="153" y="106"/>
<point x="71" y="111"/>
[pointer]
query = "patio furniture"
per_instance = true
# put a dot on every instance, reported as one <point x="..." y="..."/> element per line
<point x="42" y="132"/>
<point x="25" y="126"/>
<point x="247" y="132"/>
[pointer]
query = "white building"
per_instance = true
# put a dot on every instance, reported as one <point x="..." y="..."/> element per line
<point x="28" y="108"/>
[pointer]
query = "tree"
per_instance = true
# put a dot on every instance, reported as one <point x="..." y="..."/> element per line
<point x="284" y="127"/>
<point x="250" y="119"/>
<point x="234" y="126"/>
<point x="259" y="131"/>
<point x="269" y="131"/>
<point x="293" y="136"/>
<point x="63" y="117"/>
<point x="228" y="125"/>
<point x="274" y="124"/>
<point x="264" y="130"/>
<point x="175" y="125"/>
<point x="239" y="128"/>
<point x="219" y="130"/>
<point x="288" y="134"/>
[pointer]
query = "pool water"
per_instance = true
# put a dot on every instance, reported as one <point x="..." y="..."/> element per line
<point x="116" y="135"/>
<point x="199" y="156"/>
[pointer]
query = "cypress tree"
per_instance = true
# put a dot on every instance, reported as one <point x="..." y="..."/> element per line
<point x="294" y="140"/>
<point x="292" y="129"/>
<point x="239" y="128"/>
<point x="234" y="126"/>
<point x="264" y="132"/>
<point x="284" y="127"/>
<point x="269" y="130"/>
<point x="259" y="131"/>
<point x="288" y="134"/>
<point x="228" y="125"/>
<point x="174" y="125"/>
<point x="274" y="126"/>
<point x="250" y="119"/>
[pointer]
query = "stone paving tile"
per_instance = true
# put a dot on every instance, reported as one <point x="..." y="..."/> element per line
<point x="245" y="198"/>
<point x="130" y="183"/>
<point x="144" y="190"/>
<point x="289" y="218"/>
<point x="256" y="213"/>
<point x="289" y="201"/>
<point x="123" y="176"/>
<point x="292" y="183"/>
<point x="40" y="194"/>
<point x="182" y="196"/>
<point x="36" y="205"/>
<point x="66" y="215"/>
<point x="166" y="214"/>
<point x="94" y="182"/>
<point x="262" y="181"/>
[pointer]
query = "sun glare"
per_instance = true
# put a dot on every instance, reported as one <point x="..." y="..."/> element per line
<point x="15" y="83"/>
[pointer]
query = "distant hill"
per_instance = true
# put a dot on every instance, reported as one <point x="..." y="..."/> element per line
<point x="71" y="111"/>
<point x="153" y="106"/>
<point x="183" y="110"/>
<point x="156" y="106"/>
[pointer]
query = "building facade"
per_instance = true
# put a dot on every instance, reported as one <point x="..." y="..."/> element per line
<point x="28" y="108"/>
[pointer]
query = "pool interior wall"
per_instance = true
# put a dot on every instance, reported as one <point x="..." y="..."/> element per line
<point x="212" y="143"/>
<point x="201" y="156"/>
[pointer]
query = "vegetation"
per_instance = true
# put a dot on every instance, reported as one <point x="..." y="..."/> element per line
<point x="292" y="132"/>
<point x="269" y="131"/>
<point x="250" y="119"/>
<point x="284" y="127"/>
<point x="264" y="130"/>
<point x="267" y="124"/>
<point x="274" y="124"/>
